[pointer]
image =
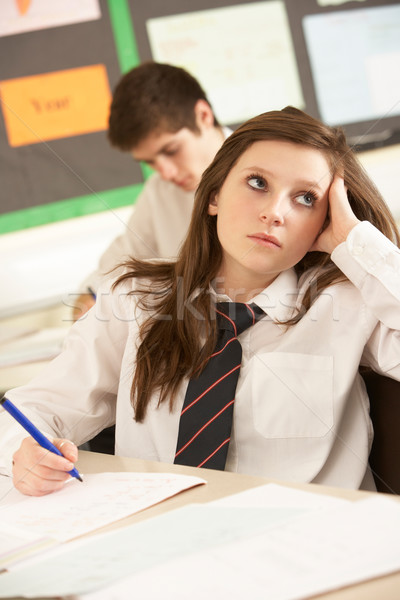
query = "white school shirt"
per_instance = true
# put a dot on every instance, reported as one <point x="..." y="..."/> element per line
<point x="156" y="228"/>
<point x="301" y="409"/>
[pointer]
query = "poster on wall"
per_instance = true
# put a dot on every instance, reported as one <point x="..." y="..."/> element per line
<point x="242" y="80"/>
<point x="55" y="105"/>
<point x="369" y="74"/>
<point x="18" y="16"/>
<point x="55" y="93"/>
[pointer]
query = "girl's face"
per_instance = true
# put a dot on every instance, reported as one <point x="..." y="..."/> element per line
<point x="269" y="210"/>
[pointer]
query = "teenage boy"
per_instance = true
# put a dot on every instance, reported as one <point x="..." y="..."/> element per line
<point x="161" y="115"/>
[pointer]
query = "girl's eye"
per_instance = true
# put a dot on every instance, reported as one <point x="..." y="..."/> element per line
<point x="257" y="182"/>
<point x="307" y="199"/>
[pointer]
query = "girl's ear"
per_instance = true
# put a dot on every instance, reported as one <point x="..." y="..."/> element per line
<point x="213" y="205"/>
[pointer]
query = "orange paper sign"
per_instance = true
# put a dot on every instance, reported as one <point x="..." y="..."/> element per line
<point x="23" y="6"/>
<point x="55" y="105"/>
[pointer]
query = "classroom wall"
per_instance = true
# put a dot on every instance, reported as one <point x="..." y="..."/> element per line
<point x="74" y="187"/>
<point x="45" y="265"/>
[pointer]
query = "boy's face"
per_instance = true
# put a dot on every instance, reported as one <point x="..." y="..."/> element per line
<point x="180" y="157"/>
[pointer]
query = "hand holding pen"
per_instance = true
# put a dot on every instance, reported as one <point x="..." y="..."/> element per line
<point x="39" y="465"/>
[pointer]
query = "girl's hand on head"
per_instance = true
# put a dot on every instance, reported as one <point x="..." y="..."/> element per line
<point x="341" y="218"/>
<point x="37" y="471"/>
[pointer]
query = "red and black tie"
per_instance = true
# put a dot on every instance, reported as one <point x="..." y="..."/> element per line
<point x="206" y="417"/>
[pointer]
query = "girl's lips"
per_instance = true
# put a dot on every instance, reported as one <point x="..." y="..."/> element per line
<point x="265" y="240"/>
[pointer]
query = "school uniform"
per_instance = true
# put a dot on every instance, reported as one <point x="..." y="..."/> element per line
<point x="301" y="409"/>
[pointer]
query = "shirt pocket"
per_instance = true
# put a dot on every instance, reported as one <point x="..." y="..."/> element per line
<point x="292" y="395"/>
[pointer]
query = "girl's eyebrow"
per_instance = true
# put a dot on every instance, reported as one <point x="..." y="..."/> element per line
<point x="311" y="185"/>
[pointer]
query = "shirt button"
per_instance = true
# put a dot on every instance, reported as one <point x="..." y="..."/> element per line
<point x="358" y="250"/>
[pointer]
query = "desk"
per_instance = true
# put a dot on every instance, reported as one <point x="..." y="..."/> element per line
<point x="221" y="484"/>
<point x="57" y="316"/>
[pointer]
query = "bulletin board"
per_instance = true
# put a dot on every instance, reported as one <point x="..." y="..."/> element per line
<point x="64" y="59"/>
<point x="56" y="86"/>
<point x="339" y="60"/>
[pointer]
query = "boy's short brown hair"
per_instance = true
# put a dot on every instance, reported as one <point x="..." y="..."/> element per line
<point x="151" y="98"/>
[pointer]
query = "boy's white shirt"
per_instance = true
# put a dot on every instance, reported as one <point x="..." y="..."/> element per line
<point x="301" y="410"/>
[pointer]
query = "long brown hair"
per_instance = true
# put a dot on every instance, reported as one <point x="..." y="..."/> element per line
<point x="180" y="331"/>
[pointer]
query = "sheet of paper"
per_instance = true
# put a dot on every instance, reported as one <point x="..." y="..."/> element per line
<point x="81" y="566"/>
<point x="274" y="495"/>
<point x="40" y="345"/>
<point x="82" y="507"/>
<point x="363" y="84"/>
<point x="334" y="2"/>
<point x="17" y="546"/>
<point x="19" y="16"/>
<point x="53" y="105"/>
<point x="315" y="553"/>
<point x="243" y="56"/>
<point x="8" y="333"/>
<point x="239" y="551"/>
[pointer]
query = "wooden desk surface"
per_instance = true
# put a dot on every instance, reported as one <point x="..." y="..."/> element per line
<point x="221" y="484"/>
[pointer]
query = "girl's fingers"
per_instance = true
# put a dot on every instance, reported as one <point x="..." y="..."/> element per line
<point x="37" y="471"/>
<point x="67" y="448"/>
<point x="341" y="218"/>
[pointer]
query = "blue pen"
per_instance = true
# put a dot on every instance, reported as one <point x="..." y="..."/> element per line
<point x="92" y="292"/>
<point x="33" y="431"/>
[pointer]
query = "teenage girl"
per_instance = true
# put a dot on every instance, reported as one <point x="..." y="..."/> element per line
<point x="284" y="218"/>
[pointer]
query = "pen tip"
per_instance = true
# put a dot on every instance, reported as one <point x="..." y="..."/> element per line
<point x="80" y="478"/>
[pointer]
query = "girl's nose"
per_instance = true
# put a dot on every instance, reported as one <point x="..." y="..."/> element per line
<point x="274" y="210"/>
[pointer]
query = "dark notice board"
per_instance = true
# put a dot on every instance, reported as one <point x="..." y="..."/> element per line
<point x="76" y="175"/>
<point x="38" y="179"/>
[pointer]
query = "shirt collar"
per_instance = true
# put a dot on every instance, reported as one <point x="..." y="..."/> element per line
<point x="278" y="300"/>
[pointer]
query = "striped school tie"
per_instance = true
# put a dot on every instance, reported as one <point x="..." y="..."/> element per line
<point x="206" y="418"/>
